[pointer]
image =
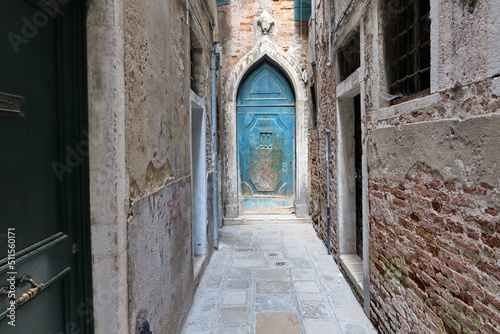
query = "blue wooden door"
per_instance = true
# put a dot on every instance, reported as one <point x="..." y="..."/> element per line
<point x="266" y="140"/>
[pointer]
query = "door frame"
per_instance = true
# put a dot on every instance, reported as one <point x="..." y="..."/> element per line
<point x="108" y="183"/>
<point x="347" y="256"/>
<point x="199" y="183"/>
<point x="268" y="50"/>
<point x="74" y="206"/>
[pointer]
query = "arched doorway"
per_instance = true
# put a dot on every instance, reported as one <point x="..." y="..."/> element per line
<point x="266" y="142"/>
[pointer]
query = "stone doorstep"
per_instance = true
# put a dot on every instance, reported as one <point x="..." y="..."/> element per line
<point x="266" y="219"/>
<point x="353" y="265"/>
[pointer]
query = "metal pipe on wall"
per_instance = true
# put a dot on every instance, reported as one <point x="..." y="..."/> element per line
<point x="330" y="51"/>
<point x="313" y="34"/>
<point x="328" y="213"/>
<point x="215" y="195"/>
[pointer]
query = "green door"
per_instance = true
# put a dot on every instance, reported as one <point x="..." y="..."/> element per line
<point x="43" y="168"/>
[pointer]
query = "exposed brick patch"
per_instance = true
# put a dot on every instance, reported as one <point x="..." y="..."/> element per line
<point x="451" y="267"/>
<point x="492" y="212"/>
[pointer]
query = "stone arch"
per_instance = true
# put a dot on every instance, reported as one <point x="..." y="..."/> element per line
<point x="266" y="48"/>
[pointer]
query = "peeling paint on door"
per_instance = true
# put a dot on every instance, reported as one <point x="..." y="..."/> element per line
<point x="266" y="131"/>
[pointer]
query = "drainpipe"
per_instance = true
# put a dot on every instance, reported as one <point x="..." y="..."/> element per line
<point x="215" y="195"/>
<point x="313" y="35"/>
<point x="328" y="215"/>
<point x="330" y="53"/>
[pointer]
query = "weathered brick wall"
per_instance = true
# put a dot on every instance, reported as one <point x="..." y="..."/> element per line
<point x="433" y="187"/>
<point x="240" y="33"/>
<point x="434" y="255"/>
<point x="325" y="93"/>
<point x="434" y="227"/>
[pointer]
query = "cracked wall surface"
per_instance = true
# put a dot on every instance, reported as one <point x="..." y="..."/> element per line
<point x="140" y="116"/>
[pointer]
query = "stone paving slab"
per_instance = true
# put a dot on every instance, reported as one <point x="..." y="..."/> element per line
<point x="277" y="322"/>
<point x="274" y="279"/>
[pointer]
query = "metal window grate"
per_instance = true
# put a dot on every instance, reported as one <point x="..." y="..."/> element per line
<point x="408" y="48"/>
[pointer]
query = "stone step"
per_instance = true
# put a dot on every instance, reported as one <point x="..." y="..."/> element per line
<point x="266" y="219"/>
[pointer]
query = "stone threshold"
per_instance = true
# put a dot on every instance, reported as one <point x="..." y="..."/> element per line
<point x="266" y="219"/>
<point x="353" y="266"/>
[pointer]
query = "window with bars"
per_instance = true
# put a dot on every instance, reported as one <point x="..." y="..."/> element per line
<point x="407" y="37"/>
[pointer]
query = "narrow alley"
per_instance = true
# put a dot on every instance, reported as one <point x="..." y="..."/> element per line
<point x="274" y="279"/>
<point x="181" y="166"/>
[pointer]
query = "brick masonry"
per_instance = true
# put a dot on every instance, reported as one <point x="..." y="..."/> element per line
<point x="432" y="172"/>
<point x="441" y="272"/>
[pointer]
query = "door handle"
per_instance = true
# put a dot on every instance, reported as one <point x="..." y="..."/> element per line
<point x="36" y="288"/>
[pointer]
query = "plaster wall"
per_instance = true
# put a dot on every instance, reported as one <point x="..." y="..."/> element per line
<point x="160" y="273"/>
<point x="158" y="85"/>
<point x="469" y="42"/>
<point x="140" y="165"/>
<point x="157" y="88"/>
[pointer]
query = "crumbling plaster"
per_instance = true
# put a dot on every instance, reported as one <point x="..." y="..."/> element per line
<point x="157" y="90"/>
<point x="158" y="86"/>
<point x="140" y="160"/>
<point x="456" y="150"/>
<point x="451" y="132"/>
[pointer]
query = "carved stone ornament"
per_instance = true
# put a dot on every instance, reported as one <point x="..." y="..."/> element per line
<point x="265" y="21"/>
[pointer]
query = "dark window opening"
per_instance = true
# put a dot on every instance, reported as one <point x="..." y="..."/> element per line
<point x="314" y="110"/>
<point x="358" y="166"/>
<point x="195" y="73"/>
<point x="408" y="45"/>
<point x="349" y="56"/>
